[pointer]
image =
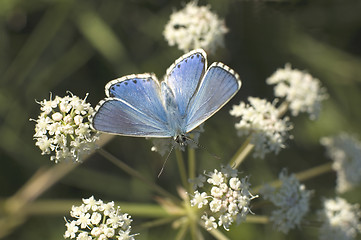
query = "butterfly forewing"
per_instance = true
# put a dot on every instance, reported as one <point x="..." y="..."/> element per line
<point x="184" y="76"/>
<point x="134" y="108"/>
<point x="142" y="91"/>
<point x="218" y="86"/>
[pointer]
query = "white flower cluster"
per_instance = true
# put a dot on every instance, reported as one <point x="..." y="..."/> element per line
<point x="292" y="202"/>
<point x="97" y="220"/>
<point x="341" y="220"/>
<point x="260" y="120"/>
<point x="345" y="151"/>
<point x="195" y="27"/>
<point x="63" y="128"/>
<point x="227" y="200"/>
<point x="303" y="92"/>
<point x="164" y="145"/>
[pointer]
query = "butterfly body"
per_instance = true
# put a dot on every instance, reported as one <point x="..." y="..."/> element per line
<point x="141" y="106"/>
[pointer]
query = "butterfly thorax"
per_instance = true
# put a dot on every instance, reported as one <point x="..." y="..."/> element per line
<point x="175" y="119"/>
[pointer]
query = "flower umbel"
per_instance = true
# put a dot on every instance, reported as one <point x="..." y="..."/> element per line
<point x="292" y="202"/>
<point x="226" y="198"/>
<point x="303" y="92"/>
<point x="63" y="128"/>
<point x="195" y="27"/>
<point x="341" y="220"/>
<point x="97" y="220"/>
<point x="345" y="151"/>
<point x="260" y="120"/>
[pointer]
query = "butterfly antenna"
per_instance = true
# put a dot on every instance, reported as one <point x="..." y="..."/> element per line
<point x="201" y="146"/>
<point x="165" y="161"/>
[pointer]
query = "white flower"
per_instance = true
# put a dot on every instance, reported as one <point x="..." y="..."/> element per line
<point x="78" y="119"/>
<point x="108" y="232"/>
<point x="341" y="220"/>
<point x="345" y="151"/>
<point x="292" y="202"/>
<point x="303" y="92"/>
<point x="83" y="220"/>
<point x="96" y="231"/>
<point x="260" y="119"/>
<point x="125" y="235"/>
<point x="215" y="178"/>
<point x="228" y="203"/>
<point x="47" y="106"/>
<point x="199" y="199"/>
<point x="225" y="220"/>
<point x="76" y="211"/>
<point x="215" y="205"/>
<point x="209" y="223"/>
<point x="195" y="27"/>
<point x="107" y="208"/>
<point x="84" y="236"/>
<point x="91" y="203"/>
<point x="71" y="230"/>
<point x="97" y="220"/>
<point x="63" y="130"/>
<point x="45" y="144"/>
<point x="216" y="192"/>
<point x="57" y="116"/>
<point x="235" y="183"/>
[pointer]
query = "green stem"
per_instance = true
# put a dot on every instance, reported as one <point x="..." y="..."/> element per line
<point x="302" y="176"/>
<point x="282" y="109"/>
<point x="314" y="172"/>
<point x="257" y="219"/>
<point x="154" y="223"/>
<point x="191" y="165"/>
<point x="192" y="218"/>
<point x="218" y="234"/>
<point x="182" y="168"/>
<point x="126" y="168"/>
<point x="193" y="230"/>
<point x="182" y="231"/>
<point x="242" y="153"/>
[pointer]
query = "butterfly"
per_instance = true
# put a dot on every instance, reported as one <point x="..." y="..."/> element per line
<point x="139" y="105"/>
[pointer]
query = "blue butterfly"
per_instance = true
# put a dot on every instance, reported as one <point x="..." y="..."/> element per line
<point x="141" y="106"/>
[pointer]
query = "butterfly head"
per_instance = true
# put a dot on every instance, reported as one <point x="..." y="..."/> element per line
<point x="181" y="139"/>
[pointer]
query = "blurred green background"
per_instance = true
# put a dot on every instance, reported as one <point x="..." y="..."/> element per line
<point x="66" y="45"/>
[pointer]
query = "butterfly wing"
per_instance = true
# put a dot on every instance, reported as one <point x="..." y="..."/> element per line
<point x="218" y="86"/>
<point x="133" y="108"/>
<point x="141" y="91"/>
<point x="184" y="75"/>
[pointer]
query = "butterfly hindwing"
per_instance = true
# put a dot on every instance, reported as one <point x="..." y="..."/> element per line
<point x="218" y="86"/>
<point x="119" y="117"/>
<point x="184" y="75"/>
